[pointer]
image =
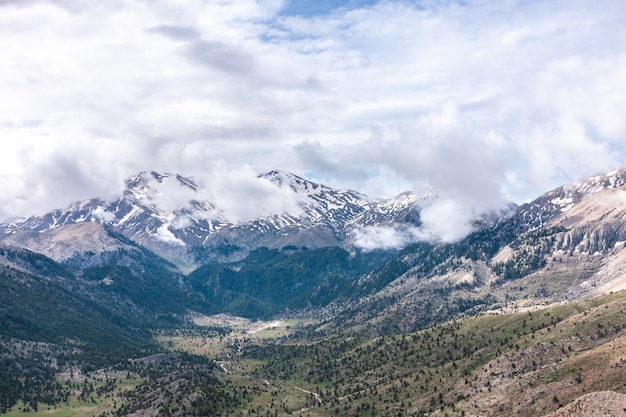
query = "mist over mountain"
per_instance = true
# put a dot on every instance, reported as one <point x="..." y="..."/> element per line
<point x="185" y="221"/>
<point x="573" y="232"/>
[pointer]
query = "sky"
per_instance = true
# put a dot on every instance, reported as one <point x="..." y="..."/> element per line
<point x="489" y="102"/>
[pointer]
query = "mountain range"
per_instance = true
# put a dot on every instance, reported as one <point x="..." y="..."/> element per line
<point x="565" y="244"/>
<point x="163" y="255"/>
<point x="193" y="230"/>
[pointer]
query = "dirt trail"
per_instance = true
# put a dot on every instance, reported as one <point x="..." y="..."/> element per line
<point x="315" y="394"/>
<point x="223" y="368"/>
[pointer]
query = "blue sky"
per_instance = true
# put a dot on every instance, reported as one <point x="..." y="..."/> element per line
<point x="488" y="101"/>
<point x="309" y="8"/>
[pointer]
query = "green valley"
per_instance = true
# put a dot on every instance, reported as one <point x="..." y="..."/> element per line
<point x="524" y="363"/>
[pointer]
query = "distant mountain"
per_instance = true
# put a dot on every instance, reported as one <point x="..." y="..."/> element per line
<point x="555" y="203"/>
<point x="195" y="231"/>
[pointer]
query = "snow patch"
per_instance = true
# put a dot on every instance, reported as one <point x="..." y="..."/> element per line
<point x="565" y="203"/>
<point x="133" y="212"/>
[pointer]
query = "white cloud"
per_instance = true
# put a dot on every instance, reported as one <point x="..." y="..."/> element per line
<point x="442" y="219"/>
<point x="386" y="237"/>
<point x="103" y="216"/>
<point x="240" y="195"/>
<point x="486" y="101"/>
<point x="165" y="235"/>
<point x="446" y="220"/>
<point x="218" y="194"/>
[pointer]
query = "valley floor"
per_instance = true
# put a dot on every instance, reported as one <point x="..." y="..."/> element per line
<point x="527" y="363"/>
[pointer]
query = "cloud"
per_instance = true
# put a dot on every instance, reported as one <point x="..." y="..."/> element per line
<point x="165" y="235"/>
<point x="385" y="237"/>
<point x="446" y="220"/>
<point x="103" y="216"/>
<point x="177" y="33"/>
<point x="487" y="101"/>
<point x="223" y="57"/>
<point x="218" y="194"/>
<point x="443" y="219"/>
<point x="314" y="156"/>
<point x="241" y="196"/>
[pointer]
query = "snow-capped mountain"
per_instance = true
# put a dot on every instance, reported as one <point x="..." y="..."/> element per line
<point x="552" y="204"/>
<point x="173" y="216"/>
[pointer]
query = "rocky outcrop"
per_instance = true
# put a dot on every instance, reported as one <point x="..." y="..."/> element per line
<point x="595" y="404"/>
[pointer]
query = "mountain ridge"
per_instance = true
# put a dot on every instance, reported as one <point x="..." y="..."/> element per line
<point x="186" y="228"/>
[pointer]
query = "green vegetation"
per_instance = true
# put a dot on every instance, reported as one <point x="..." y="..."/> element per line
<point x="491" y="364"/>
<point x="268" y="280"/>
<point x="39" y="310"/>
<point x="43" y="330"/>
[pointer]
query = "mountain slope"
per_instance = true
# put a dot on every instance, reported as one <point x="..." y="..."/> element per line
<point x="503" y="322"/>
<point x="268" y="281"/>
<point x="567" y="244"/>
<point x="595" y="404"/>
<point x="38" y="309"/>
<point x="134" y="288"/>
<point x="527" y="363"/>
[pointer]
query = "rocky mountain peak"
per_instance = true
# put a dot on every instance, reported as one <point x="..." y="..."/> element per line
<point x="146" y="178"/>
<point x="298" y="184"/>
<point x="553" y="203"/>
<point x="147" y="186"/>
<point x="173" y="216"/>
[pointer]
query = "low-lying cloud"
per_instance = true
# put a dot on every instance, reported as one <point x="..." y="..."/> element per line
<point x="441" y="220"/>
<point x="385" y="237"/>
<point x="241" y="196"/>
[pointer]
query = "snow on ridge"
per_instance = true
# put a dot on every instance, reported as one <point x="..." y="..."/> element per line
<point x="132" y="213"/>
<point x="565" y="203"/>
<point x="173" y="210"/>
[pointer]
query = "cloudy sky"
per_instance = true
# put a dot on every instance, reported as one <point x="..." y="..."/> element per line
<point x="488" y="101"/>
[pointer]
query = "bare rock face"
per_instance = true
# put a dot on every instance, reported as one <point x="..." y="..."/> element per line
<point x="595" y="404"/>
<point x="62" y="243"/>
